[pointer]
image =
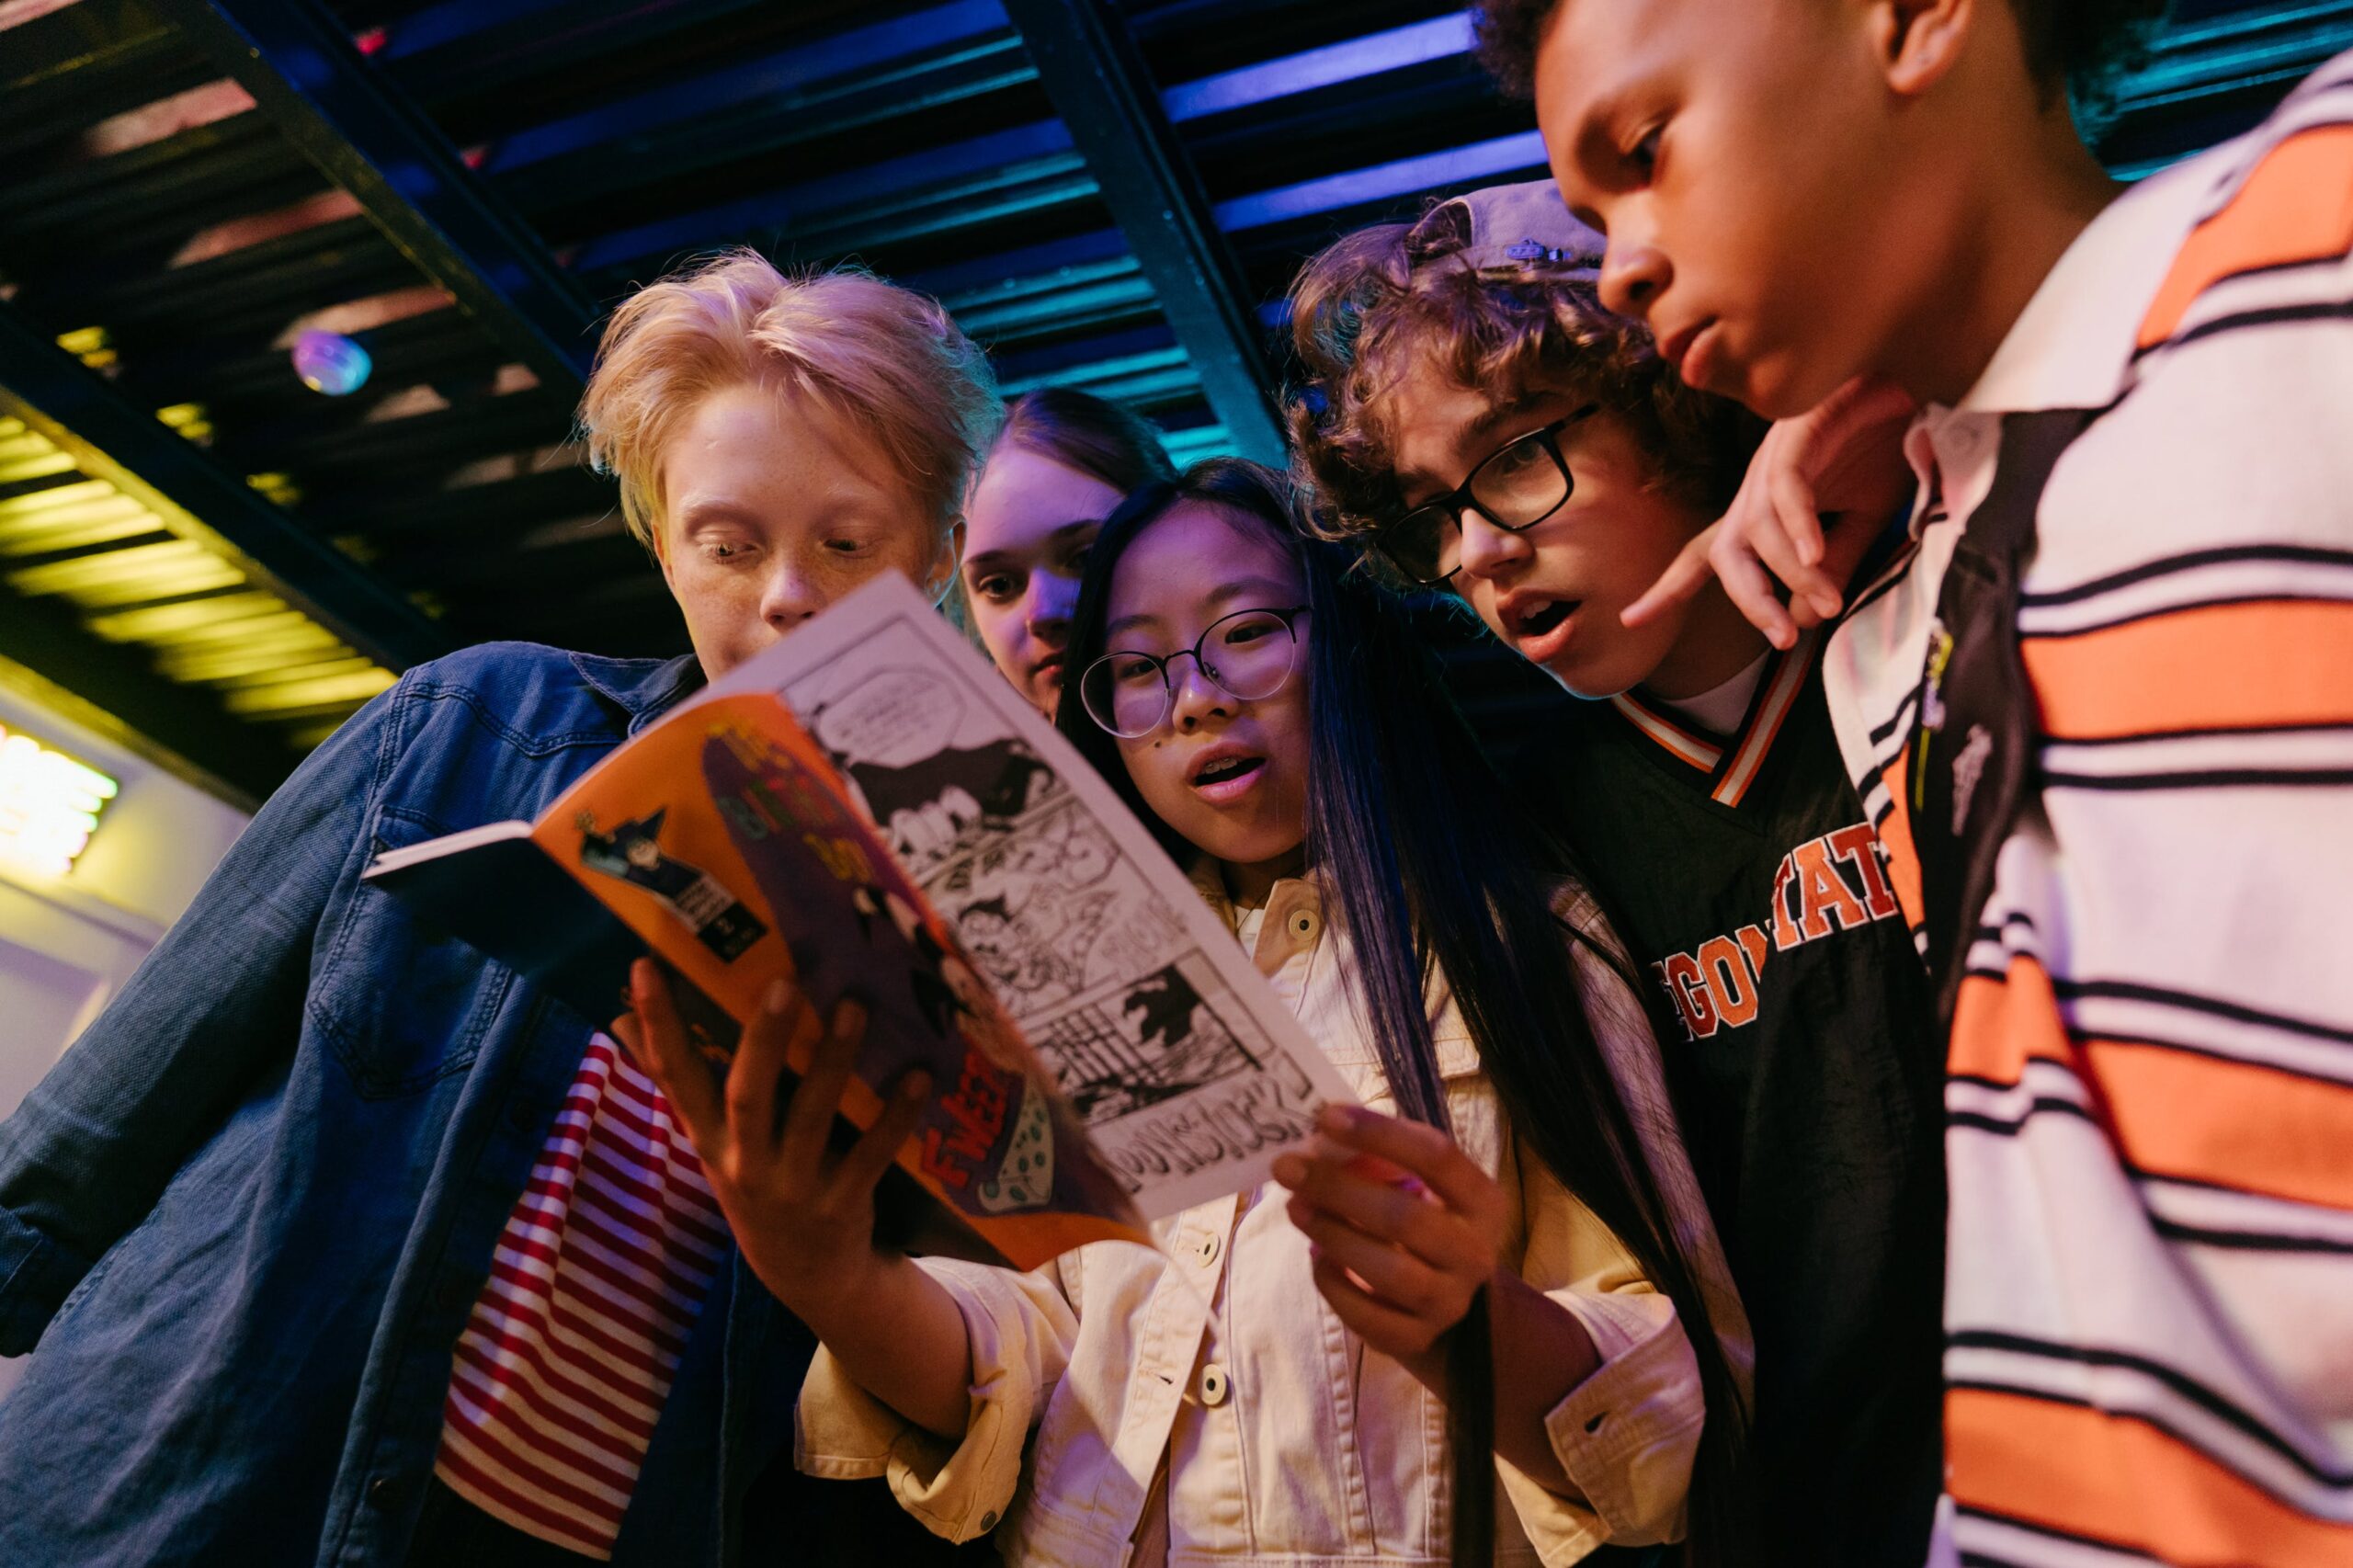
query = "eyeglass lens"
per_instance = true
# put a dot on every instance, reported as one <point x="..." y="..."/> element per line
<point x="1514" y="488"/>
<point x="1249" y="655"/>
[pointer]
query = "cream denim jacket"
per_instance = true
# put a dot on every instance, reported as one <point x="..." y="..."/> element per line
<point x="1203" y="1405"/>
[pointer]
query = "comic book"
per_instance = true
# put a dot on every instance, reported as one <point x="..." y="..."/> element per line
<point x="869" y="808"/>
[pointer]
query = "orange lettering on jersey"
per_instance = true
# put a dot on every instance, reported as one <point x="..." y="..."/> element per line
<point x="1755" y="944"/>
<point x="1858" y="847"/>
<point x="1822" y="893"/>
<point x="1730" y="986"/>
<point x="1688" y="986"/>
<point x="1785" y="934"/>
<point x="1719" y="984"/>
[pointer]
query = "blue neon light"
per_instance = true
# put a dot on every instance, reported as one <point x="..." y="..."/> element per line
<point x="775" y="75"/>
<point x="1000" y="151"/>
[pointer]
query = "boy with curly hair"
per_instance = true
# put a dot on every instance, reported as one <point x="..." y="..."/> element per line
<point x="2101" y="708"/>
<point x="1485" y="427"/>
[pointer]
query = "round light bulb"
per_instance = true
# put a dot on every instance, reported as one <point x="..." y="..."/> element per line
<point x="331" y="363"/>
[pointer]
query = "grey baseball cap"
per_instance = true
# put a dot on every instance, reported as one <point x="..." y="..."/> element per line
<point x="1521" y="228"/>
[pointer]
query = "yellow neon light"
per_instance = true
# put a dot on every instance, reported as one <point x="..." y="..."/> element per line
<point x="49" y="805"/>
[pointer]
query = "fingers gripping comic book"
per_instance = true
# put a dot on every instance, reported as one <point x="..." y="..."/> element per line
<point x="867" y="809"/>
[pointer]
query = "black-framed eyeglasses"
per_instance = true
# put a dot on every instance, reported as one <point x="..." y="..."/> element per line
<point x="1516" y="486"/>
<point x="1249" y="655"/>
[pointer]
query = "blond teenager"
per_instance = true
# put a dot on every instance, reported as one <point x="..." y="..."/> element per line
<point x="331" y="1241"/>
<point x="1063" y="461"/>
<point x="1486" y="428"/>
<point x="1303" y="1380"/>
<point x="2099" y="708"/>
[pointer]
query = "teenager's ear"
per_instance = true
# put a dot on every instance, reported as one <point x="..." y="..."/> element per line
<point x="946" y="564"/>
<point x="1919" y="41"/>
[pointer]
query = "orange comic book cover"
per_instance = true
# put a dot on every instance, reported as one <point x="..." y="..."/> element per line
<point x="725" y="839"/>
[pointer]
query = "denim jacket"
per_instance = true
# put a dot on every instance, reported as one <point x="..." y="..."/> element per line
<point x="244" y="1218"/>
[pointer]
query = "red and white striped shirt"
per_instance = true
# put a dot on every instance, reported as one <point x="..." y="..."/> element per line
<point x="562" y="1368"/>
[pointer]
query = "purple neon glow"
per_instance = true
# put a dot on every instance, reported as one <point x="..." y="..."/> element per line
<point x="1414" y="44"/>
<point x="1517" y="153"/>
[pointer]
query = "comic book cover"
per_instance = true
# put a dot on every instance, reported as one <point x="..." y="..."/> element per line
<point x="868" y="808"/>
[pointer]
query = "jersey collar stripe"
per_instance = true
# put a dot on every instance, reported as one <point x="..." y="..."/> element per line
<point x="1780" y="696"/>
<point x="1685" y="745"/>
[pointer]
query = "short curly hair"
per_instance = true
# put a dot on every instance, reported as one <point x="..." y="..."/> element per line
<point x="1379" y="303"/>
<point x="2080" y="45"/>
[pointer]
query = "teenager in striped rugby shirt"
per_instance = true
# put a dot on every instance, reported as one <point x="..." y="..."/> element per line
<point x="2101" y="708"/>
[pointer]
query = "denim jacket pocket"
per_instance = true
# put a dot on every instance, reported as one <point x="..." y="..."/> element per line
<point x="448" y="991"/>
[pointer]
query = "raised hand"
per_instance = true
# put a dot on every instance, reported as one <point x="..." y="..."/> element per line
<point x="1845" y="456"/>
<point x="1407" y="1228"/>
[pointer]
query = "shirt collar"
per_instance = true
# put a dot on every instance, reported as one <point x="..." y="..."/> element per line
<point x="643" y="688"/>
<point x="1728" y="767"/>
<point x="2072" y="346"/>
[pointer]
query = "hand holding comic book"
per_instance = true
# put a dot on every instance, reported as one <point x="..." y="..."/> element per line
<point x="865" y="812"/>
<point x="802" y="1209"/>
<point x="803" y="1213"/>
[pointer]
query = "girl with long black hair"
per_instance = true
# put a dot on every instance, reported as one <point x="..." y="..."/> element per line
<point x="1313" y="1378"/>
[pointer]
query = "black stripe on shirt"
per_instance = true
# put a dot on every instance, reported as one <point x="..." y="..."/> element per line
<point x="2204" y="779"/>
<point x="2274" y="315"/>
<point x="2144" y="1418"/>
<point x="2191" y="561"/>
<point x="2259" y="316"/>
<point x="2132" y="990"/>
<point x="2158" y="612"/>
<point x="2173" y="1377"/>
<point x="2204" y="1236"/>
<point x="2244" y="1240"/>
<point x="2049" y="1532"/>
<point x="2140" y="737"/>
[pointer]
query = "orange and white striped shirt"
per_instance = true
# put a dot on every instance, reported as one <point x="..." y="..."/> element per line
<point x="2149" y="1306"/>
<point x="563" y="1368"/>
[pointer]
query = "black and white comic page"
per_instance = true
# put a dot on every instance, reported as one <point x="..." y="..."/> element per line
<point x="1189" y="1073"/>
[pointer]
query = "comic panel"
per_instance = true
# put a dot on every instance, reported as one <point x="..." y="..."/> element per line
<point x="1183" y="1094"/>
<point x="937" y="769"/>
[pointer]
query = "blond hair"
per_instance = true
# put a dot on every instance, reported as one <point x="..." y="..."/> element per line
<point x="886" y="359"/>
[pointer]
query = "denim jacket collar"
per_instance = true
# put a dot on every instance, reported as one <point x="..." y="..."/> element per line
<point x="640" y="688"/>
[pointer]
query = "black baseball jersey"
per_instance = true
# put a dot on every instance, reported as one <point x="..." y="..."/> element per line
<point x="1744" y="878"/>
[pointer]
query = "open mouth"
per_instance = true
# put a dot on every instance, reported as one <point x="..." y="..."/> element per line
<point x="1223" y="775"/>
<point x="1531" y="617"/>
<point x="1546" y="615"/>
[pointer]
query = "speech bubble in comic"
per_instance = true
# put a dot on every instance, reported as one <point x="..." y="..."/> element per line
<point x="893" y="716"/>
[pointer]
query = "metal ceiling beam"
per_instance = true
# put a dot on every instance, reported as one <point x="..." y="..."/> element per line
<point x="109" y="438"/>
<point x="1099" y="85"/>
<point x="111" y="688"/>
<point x="366" y="136"/>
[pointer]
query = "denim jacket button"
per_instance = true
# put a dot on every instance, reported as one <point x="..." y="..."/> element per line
<point x="1209" y="1249"/>
<point x="385" y="1492"/>
<point x="1216" y="1385"/>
